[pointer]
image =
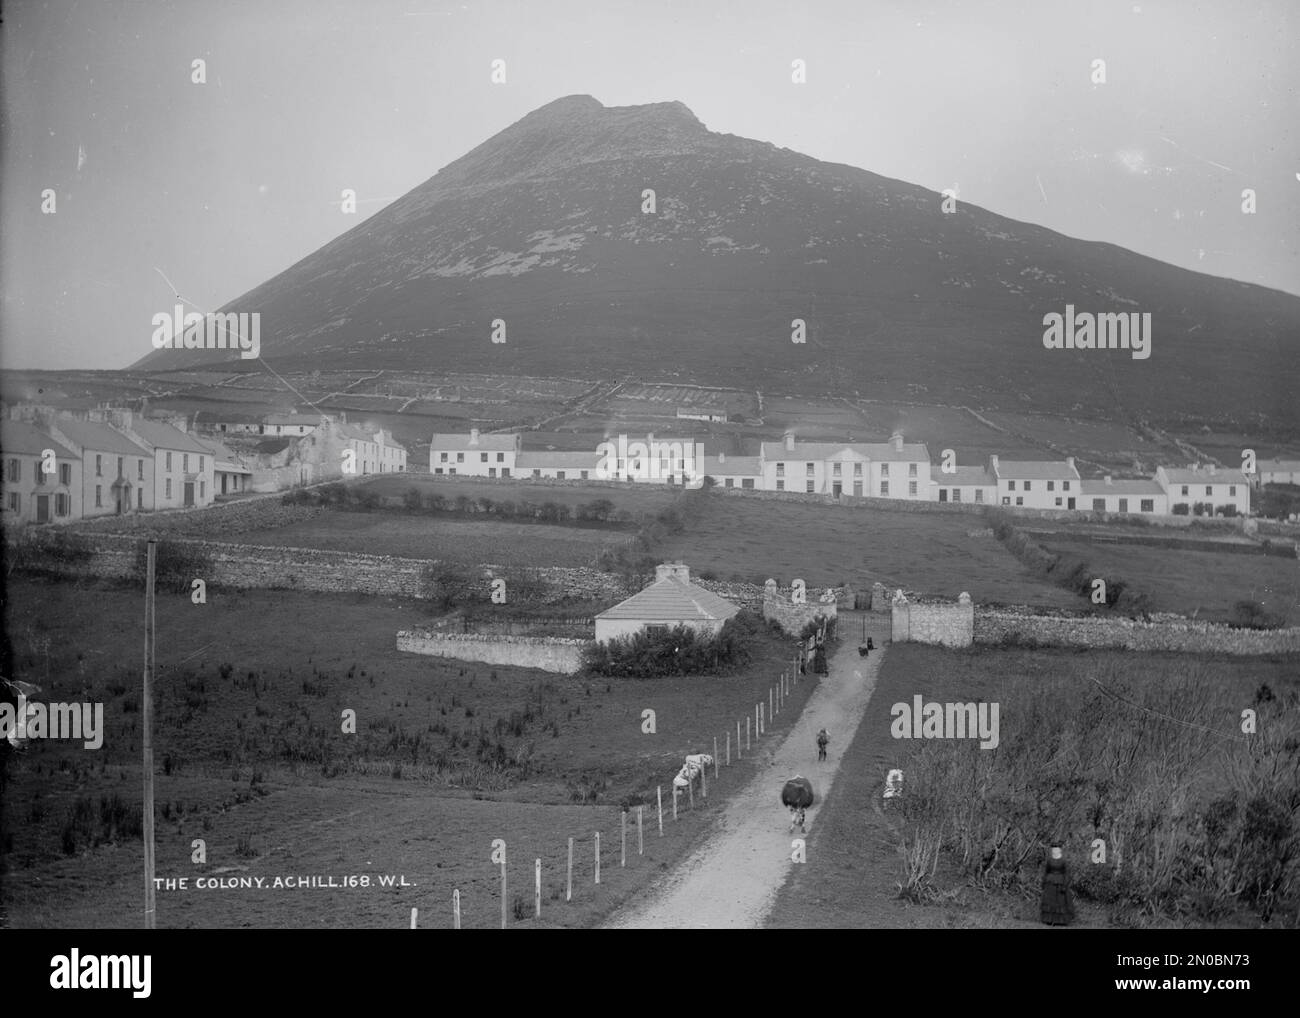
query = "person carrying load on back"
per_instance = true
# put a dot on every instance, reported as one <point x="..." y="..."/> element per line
<point x="822" y="739"/>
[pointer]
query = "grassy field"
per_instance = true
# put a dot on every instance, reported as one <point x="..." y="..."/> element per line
<point x="854" y="865"/>
<point x="250" y="756"/>
<point x="1201" y="583"/>
<point x="826" y="545"/>
<point x="634" y="499"/>
<point x="446" y="538"/>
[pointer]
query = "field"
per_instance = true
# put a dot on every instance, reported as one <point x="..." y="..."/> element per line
<point x="641" y="498"/>
<point x="1200" y="583"/>
<point x="855" y="868"/>
<point x="825" y="545"/>
<point x="449" y="539"/>
<point x="250" y="757"/>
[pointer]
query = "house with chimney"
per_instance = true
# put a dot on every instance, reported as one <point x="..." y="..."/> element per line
<point x="734" y="471"/>
<point x="475" y="454"/>
<point x="671" y="601"/>
<point x="117" y="475"/>
<point x="1037" y="484"/>
<point x="230" y="474"/>
<point x="893" y="469"/>
<point x="182" y="468"/>
<point x="560" y="465"/>
<point x="32" y="493"/>
<point x="1276" y="471"/>
<point x="1138" y="496"/>
<point x="1205" y="490"/>
<point x="292" y="425"/>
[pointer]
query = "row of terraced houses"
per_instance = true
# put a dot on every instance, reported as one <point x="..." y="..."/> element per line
<point x="896" y="469"/>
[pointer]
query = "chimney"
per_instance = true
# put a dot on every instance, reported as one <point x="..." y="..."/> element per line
<point x="722" y="457"/>
<point x="1108" y="480"/>
<point x="473" y="436"/>
<point x="1213" y="469"/>
<point x="897" y="439"/>
<point x="993" y="464"/>
<point x="674" y="570"/>
<point x="1069" y="462"/>
<point x="789" y="441"/>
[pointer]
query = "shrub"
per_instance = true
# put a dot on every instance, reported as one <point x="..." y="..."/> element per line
<point x="1180" y="509"/>
<point x="176" y="564"/>
<point x="676" y="651"/>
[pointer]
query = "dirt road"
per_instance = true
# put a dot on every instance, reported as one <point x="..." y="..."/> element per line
<point x="730" y="881"/>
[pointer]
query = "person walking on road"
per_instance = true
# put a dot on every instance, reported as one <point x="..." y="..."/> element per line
<point x="822" y="739"/>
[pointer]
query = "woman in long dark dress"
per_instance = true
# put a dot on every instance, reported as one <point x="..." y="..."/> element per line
<point x="1056" y="908"/>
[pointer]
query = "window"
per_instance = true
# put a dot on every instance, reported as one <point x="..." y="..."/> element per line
<point x="1027" y="484"/>
<point x="65" y="473"/>
<point x="780" y="485"/>
<point x="1123" y="505"/>
<point x="1051" y="485"/>
<point x="99" y="467"/>
<point x="811" y="487"/>
<point x="911" y="470"/>
<point x="501" y="457"/>
<point x="835" y="469"/>
<point x="780" y="470"/>
<point x="584" y="475"/>
<point x="15" y="503"/>
<point x="167" y="488"/>
<point x="99" y="496"/>
<point x="443" y="458"/>
<point x="884" y="470"/>
<point x="169" y="462"/>
<point x="437" y="470"/>
<point x="200" y="465"/>
<point x="185" y="462"/>
<point x="483" y="457"/>
<point x="1065" y="485"/>
<point x="653" y="628"/>
<point x="559" y="475"/>
<point x="857" y="469"/>
<point x="956" y="494"/>
<point x="1020" y="500"/>
<point x="728" y="483"/>
<point x="1232" y="490"/>
<point x="451" y="470"/>
<point x="1148" y="505"/>
<point x="460" y="457"/>
<point x="203" y="489"/>
<point x="884" y="487"/>
<point x="811" y="470"/>
<point x="139" y="470"/>
<point x="911" y="487"/>
<point x="492" y="471"/>
<point x="505" y="471"/>
<point x="60" y="505"/>
<point x="1209" y="489"/>
<point x="747" y="482"/>
<point x="1011" y="485"/>
<point x="139" y="498"/>
<point x="943" y="494"/>
<point x="1058" y="499"/>
<point x="537" y="473"/>
<point x="1184" y="489"/>
<point x="1006" y="500"/>
<point x="979" y="494"/>
<point x="40" y="473"/>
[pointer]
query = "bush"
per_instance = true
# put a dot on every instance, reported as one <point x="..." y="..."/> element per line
<point x="1180" y="509"/>
<point x="676" y="651"/>
<point x="1251" y="615"/>
<point x="176" y="564"/>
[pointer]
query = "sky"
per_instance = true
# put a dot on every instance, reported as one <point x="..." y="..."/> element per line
<point x="162" y="184"/>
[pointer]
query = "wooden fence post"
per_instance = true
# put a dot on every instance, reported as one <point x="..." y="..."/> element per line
<point x="715" y="757"/>
<point x="659" y="799"/>
<point x="568" y="884"/>
<point x="415" y="918"/>
<point x="640" y="838"/>
<point x="674" y="801"/>
<point x="622" y="826"/>
<point x="728" y="747"/>
<point x="747" y="742"/>
<point x="690" y="787"/>
<point x="455" y="908"/>
<point x="537" y="889"/>
<point x="598" y="857"/>
<point x="704" y="782"/>
<point x="737" y="740"/>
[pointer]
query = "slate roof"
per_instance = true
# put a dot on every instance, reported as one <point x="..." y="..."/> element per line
<point x="672" y="600"/>
<point x="1122" y="486"/>
<point x="746" y="466"/>
<point x="98" y="437"/>
<point x="486" y="443"/>
<point x="310" y="420"/>
<point x="881" y="452"/>
<point x="558" y="460"/>
<point x="21" y="437"/>
<point x="965" y="477"/>
<point x="164" y="436"/>
<point x="1186" y="475"/>
<point x="1035" y="470"/>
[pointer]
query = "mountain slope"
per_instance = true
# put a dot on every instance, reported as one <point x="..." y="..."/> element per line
<point x="542" y="226"/>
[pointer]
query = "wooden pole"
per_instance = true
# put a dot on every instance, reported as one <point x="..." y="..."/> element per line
<point x="146" y="724"/>
<point x="728" y="747"/>
<point x="568" y="884"/>
<point x="503" y="891"/>
<point x="622" y="824"/>
<point x="762" y="718"/>
<point x="598" y="857"/>
<point x="415" y="914"/>
<point x="640" y="836"/>
<point x="715" y="757"/>
<point x="674" y="803"/>
<point x="690" y="787"/>
<point x="659" y="798"/>
<point x="747" y="742"/>
<point x="737" y="740"/>
<point x="455" y="908"/>
<point x="769" y="701"/>
<point x="537" y="889"/>
<point x="704" y="782"/>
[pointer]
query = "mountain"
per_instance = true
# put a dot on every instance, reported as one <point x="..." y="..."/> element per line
<point x="542" y="226"/>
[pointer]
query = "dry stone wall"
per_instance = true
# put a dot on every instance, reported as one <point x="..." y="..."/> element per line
<point x="1000" y="626"/>
<point x="548" y="653"/>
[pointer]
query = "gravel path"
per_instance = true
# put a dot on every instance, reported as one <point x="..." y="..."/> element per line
<point x="732" y="879"/>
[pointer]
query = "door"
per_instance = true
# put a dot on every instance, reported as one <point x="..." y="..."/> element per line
<point x="42" y="508"/>
<point x="1070" y="503"/>
<point x="838" y="488"/>
<point x="189" y="493"/>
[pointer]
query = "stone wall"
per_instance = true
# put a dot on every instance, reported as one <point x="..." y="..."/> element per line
<point x="548" y="653"/>
<point x="1175" y="633"/>
<point x="780" y="606"/>
<point x="951" y="625"/>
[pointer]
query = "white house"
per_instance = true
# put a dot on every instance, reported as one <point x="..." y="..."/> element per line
<point x="1277" y="471"/>
<point x="893" y="469"/>
<point x="1037" y="484"/>
<point x="974" y="485"/>
<point x="475" y="454"/>
<point x="30" y="493"/>
<point x="184" y="470"/>
<point x="117" y="475"/>
<point x="1205" y="486"/>
<point x="230" y="475"/>
<point x="734" y="471"/>
<point x="1139" y="496"/>
<point x="559" y="464"/>
<point x="670" y="601"/>
<point x="294" y="425"/>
